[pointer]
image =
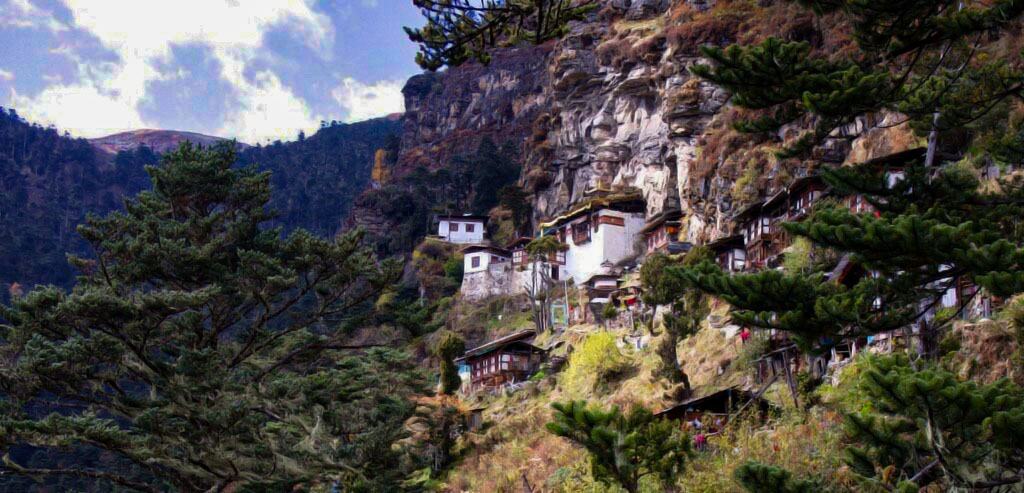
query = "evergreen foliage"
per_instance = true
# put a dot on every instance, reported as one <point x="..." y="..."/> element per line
<point x="203" y="348"/>
<point x="538" y="289"/>
<point x="49" y="181"/>
<point x="762" y="478"/>
<point x="516" y="200"/>
<point x="930" y="60"/>
<point x="461" y="30"/>
<point x="450" y="346"/>
<point x="689" y="309"/>
<point x="933" y="228"/>
<point x="317" y="179"/>
<point x="623" y="448"/>
<point x="929" y="426"/>
<point x="470" y="184"/>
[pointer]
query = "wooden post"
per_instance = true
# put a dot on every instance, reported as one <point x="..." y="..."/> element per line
<point x="789" y="377"/>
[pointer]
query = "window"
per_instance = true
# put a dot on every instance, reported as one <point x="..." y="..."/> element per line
<point x="453" y="227"/>
<point x="581" y="233"/>
<point x="470" y="228"/>
<point x="474" y="261"/>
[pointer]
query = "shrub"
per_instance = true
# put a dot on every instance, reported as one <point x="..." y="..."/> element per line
<point x="453" y="268"/>
<point x="596" y="361"/>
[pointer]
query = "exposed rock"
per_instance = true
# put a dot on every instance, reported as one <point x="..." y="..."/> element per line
<point x="614" y="104"/>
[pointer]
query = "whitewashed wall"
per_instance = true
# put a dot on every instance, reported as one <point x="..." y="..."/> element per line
<point x="461" y="236"/>
<point x="609" y="243"/>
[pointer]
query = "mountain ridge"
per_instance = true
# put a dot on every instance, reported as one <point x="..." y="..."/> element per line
<point x="160" y="140"/>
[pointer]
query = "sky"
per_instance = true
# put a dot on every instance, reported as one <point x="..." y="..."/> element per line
<point x="255" y="70"/>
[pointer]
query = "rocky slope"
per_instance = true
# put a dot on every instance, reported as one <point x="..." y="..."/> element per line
<point x="613" y="104"/>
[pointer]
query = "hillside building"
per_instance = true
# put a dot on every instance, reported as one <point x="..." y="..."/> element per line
<point x="603" y="230"/>
<point x="661" y="234"/>
<point x="468" y="229"/>
<point x="510" y="359"/>
<point x="478" y="258"/>
<point x="729" y="253"/>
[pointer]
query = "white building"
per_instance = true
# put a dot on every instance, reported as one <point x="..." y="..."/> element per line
<point x="487" y="271"/>
<point x="478" y="258"/>
<point x="603" y="231"/>
<point x="462" y="229"/>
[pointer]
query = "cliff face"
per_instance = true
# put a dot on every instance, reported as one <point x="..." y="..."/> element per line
<point x="613" y="104"/>
<point x="449" y="113"/>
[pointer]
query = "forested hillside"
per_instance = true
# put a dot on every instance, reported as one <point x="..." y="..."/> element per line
<point x="50" y="181"/>
<point x="743" y="246"/>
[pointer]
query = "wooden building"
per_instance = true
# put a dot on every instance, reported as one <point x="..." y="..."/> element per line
<point x="714" y="410"/>
<point x="520" y="257"/>
<point x="729" y="253"/>
<point x="661" y="233"/>
<point x="510" y="359"/>
<point x="801" y="196"/>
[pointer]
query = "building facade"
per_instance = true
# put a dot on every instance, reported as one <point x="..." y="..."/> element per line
<point x="462" y="229"/>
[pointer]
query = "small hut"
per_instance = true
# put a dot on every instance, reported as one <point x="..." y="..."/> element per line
<point x="713" y="410"/>
<point x="509" y="359"/>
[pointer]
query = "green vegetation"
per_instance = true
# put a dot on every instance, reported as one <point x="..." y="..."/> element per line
<point x="539" y="289"/>
<point x="759" y="478"/>
<point x="206" y="351"/>
<point x="470" y="184"/>
<point x="449" y="347"/>
<point x="596" y="361"/>
<point x="461" y="30"/>
<point x="689" y="309"/>
<point x="623" y="448"/>
<point x="927" y="425"/>
<point x="935" y="69"/>
<point x="51" y="181"/>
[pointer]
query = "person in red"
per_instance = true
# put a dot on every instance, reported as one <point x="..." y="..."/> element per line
<point x="701" y="441"/>
<point x="744" y="335"/>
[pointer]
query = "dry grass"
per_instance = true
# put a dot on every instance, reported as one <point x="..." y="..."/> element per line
<point x="807" y="446"/>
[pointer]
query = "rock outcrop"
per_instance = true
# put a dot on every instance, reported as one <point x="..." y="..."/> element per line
<point x="613" y="104"/>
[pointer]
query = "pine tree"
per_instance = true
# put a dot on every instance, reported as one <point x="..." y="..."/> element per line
<point x="936" y="62"/>
<point x="450" y="346"/>
<point x="761" y="478"/>
<point x="623" y="448"/>
<point x="461" y="30"/>
<point x="689" y="309"/>
<point x="927" y="425"/>
<point x="206" y="350"/>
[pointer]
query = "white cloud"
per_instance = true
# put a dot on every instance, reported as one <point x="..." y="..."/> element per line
<point x="364" y="101"/>
<point x="268" y="110"/>
<point x="23" y="14"/>
<point x="107" y="99"/>
<point x="5" y="75"/>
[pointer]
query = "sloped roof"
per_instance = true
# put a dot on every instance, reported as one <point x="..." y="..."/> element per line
<point x="722" y="401"/>
<point x="477" y="247"/>
<point x="461" y="217"/>
<point x="594" y="204"/>
<point x="726" y="241"/>
<point x="499" y="343"/>
<point x="668" y="216"/>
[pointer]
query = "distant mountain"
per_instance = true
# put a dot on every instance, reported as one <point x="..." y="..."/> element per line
<point x="157" y="140"/>
<point x="49" y="181"/>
